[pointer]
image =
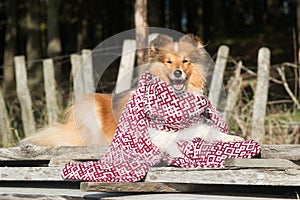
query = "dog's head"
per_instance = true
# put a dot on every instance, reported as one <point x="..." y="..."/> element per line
<point x="179" y="63"/>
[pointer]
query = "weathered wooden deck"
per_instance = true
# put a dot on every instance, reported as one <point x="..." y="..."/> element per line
<point x="34" y="172"/>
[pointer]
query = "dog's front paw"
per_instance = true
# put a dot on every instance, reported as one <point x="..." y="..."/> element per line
<point x="173" y="151"/>
<point x="231" y="138"/>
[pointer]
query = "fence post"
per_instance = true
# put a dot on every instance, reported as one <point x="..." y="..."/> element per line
<point x="4" y="122"/>
<point x="261" y="94"/>
<point x="78" y="90"/>
<point x="125" y="74"/>
<point x="217" y="79"/>
<point x="126" y="66"/>
<point x="50" y="90"/>
<point x="24" y="95"/>
<point x="87" y="70"/>
<point x="234" y="88"/>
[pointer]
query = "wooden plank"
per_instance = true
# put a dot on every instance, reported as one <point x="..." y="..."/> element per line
<point x="227" y="176"/>
<point x="4" y="122"/>
<point x="261" y="95"/>
<point x="78" y="89"/>
<point x="189" y="197"/>
<point x="255" y="176"/>
<point x="284" y="151"/>
<point x="32" y="152"/>
<point x="260" y="163"/>
<point x="137" y="187"/>
<point x="24" y="95"/>
<point x="87" y="70"/>
<point x="50" y="91"/>
<point x="162" y="188"/>
<point x="218" y="74"/>
<point x="125" y="73"/>
<point x="10" y="193"/>
<point x="30" y="174"/>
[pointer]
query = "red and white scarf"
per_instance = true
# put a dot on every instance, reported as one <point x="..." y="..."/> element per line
<point x="154" y="104"/>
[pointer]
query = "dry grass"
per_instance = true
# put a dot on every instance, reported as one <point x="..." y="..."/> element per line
<point x="282" y="125"/>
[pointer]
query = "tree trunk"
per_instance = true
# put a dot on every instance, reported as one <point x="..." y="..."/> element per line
<point x="82" y="26"/>
<point x="218" y="19"/>
<point x="200" y="27"/>
<point x="10" y="44"/>
<point x="140" y="17"/>
<point x="176" y="9"/>
<point x="33" y="44"/>
<point x="298" y="28"/>
<point x="53" y="36"/>
<point x="298" y="22"/>
<point x="156" y="8"/>
<point x="195" y="18"/>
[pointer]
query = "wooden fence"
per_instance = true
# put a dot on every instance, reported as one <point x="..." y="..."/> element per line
<point x="84" y="83"/>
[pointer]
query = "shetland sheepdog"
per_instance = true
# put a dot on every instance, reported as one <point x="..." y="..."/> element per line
<point x="92" y="121"/>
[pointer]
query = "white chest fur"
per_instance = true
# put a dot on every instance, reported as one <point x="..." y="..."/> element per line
<point x="167" y="141"/>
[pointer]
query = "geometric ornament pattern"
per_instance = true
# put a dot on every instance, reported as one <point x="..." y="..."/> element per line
<point x="154" y="104"/>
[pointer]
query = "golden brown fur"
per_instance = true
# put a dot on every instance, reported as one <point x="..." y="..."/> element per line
<point x="189" y="57"/>
<point x="91" y="119"/>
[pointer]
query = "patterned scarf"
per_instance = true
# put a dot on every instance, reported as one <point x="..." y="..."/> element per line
<point x="154" y="104"/>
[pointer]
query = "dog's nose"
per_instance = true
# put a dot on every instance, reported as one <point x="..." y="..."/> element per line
<point x="177" y="73"/>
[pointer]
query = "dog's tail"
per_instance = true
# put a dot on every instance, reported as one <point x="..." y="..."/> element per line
<point x="57" y="135"/>
<point x="84" y="126"/>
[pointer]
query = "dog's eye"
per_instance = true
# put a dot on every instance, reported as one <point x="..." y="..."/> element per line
<point x="169" y="61"/>
<point x="185" y="61"/>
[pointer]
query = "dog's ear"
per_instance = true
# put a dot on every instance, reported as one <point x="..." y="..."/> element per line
<point x="159" y="42"/>
<point x="192" y="39"/>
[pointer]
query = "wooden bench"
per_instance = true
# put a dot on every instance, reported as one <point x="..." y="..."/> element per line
<point x="40" y="167"/>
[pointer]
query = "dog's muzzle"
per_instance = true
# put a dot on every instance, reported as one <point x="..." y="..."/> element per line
<point x="178" y="80"/>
